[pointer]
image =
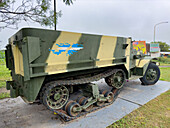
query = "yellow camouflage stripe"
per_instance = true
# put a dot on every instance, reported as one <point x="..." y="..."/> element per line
<point x="141" y="63"/>
<point x="58" y="64"/>
<point x="106" y="51"/>
<point x="18" y="59"/>
<point x="127" y="54"/>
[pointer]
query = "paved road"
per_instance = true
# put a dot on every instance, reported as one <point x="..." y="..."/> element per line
<point x="16" y="113"/>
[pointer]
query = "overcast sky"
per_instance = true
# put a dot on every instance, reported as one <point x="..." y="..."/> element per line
<point x="126" y="18"/>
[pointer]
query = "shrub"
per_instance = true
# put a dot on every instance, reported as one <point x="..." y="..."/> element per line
<point x="2" y="54"/>
<point x="164" y="60"/>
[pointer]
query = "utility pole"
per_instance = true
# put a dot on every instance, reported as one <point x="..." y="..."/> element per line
<point x="55" y="19"/>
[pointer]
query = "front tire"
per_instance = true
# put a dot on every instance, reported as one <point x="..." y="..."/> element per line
<point x="152" y="75"/>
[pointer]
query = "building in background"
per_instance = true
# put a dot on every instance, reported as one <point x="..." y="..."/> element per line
<point x="147" y="48"/>
<point x="165" y="54"/>
<point x="154" y="50"/>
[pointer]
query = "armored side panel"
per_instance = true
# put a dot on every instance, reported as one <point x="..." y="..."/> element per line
<point x="34" y="54"/>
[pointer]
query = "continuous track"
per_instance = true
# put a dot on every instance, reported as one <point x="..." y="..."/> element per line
<point x="86" y="80"/>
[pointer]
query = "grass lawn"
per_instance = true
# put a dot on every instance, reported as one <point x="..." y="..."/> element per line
<point x="154" y="114"/>
<point x="4" y="95"/>
<point x="4" y="75"/>
<point x="165" y="73"/>
<point x="2" y="84"/>
<point x="164" y="64"/>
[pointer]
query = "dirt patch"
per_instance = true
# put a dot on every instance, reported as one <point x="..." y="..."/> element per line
<point x="4" y="90"/>
<point x="15" y="113"/>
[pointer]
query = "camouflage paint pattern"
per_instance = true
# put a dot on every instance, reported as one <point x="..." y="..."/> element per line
<point x="38" y="53"/>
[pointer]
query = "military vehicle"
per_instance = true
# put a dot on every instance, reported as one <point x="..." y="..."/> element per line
<point x="57" y="68"/>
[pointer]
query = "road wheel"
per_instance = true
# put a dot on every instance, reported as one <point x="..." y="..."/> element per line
<point x="110" y="95"/>
<point x="80" y="100"/>
<point x="70" y="109"/>
<point x="116" y="80"/>
<point x="152" y="75"/>
<point x="55" y="97"/>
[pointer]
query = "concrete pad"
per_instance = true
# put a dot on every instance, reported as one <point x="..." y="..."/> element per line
<point x="135" y="92"/>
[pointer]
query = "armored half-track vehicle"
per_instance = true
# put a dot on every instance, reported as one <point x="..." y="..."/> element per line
<point x="57" y="68"/>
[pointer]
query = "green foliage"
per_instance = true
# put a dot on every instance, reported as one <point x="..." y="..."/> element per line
<point x="2" y="57"/>
<point x="68" y="2"/>
<point x="4" y="72"/>
<point x="2" y="54"/>
<point x="4" y="75"/>
<point x="2" y="84"/>
<point x="50" y="20"/>
<point x="163" y="46"/>
<point x="2" y="61"/>
<point x="4" y="95"/>
<point x="164" y="60"/>
<point x="40" y="11"/>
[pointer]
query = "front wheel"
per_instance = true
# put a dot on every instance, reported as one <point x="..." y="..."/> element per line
<point x="152" y="75"/>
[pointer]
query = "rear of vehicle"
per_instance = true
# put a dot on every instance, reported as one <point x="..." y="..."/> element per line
<point x="26" y="54"/>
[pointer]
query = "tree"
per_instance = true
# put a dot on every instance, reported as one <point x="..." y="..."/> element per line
<point x="40" y="11"/>
<point x="68" y="2"/>
<point x="164" y="47"/>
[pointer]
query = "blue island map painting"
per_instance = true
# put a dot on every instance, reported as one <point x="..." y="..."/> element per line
<point x="67" y="48"/>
